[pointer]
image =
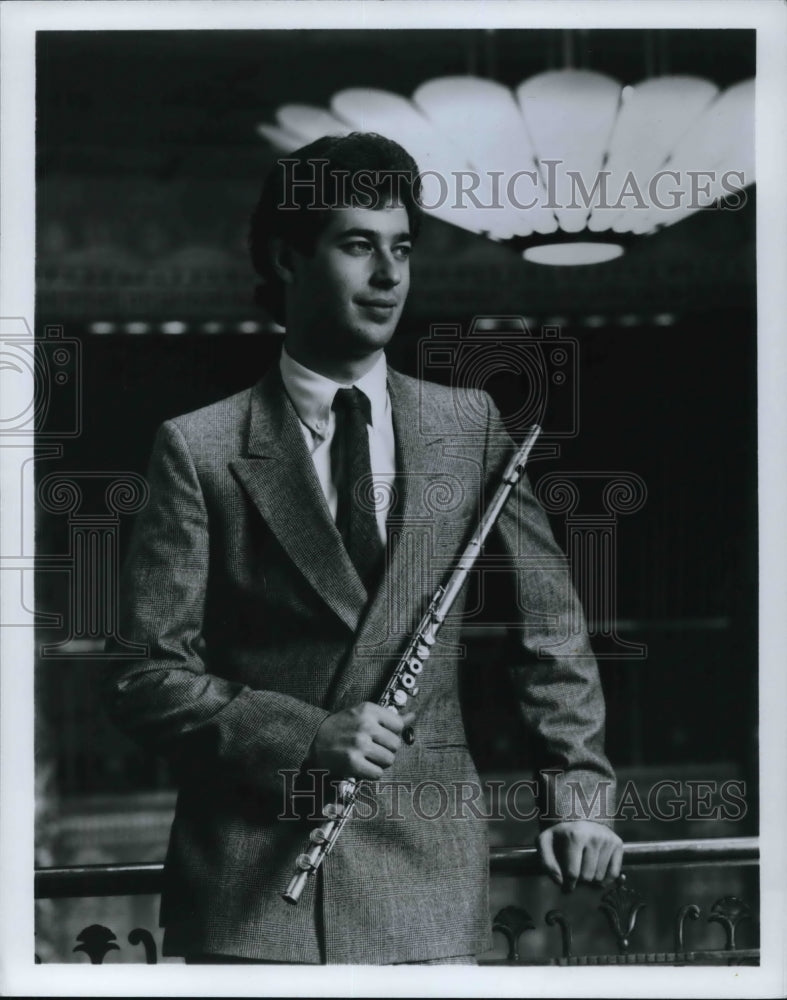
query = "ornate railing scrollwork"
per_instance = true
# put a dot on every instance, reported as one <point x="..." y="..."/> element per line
<point x="621" y="906"/>
<point x="512" y="922"/>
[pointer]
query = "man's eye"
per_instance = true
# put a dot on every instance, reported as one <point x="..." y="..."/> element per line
<point x="403" y="252"/>
<point x="358" y="247"/>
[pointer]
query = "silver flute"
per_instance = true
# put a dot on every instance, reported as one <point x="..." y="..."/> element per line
<point x="403" y="684"/>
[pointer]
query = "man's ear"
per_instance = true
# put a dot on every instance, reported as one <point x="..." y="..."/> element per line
<point x="281" y="256"/>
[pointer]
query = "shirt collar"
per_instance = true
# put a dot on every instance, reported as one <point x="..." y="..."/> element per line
<point x="312" y="394"/>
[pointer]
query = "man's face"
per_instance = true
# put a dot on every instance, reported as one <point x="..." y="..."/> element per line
<point x="346" y="298"/>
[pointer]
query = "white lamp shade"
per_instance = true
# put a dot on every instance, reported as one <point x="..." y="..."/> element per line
<point x="653" y="116"/>
<point x="573" y="254"/>
<point x="483" y="120"/>
<point x="569" y="115"/>
<point x="438" y="158"/>
<point x="721" y="140"/>
<point x="583" y="154"/>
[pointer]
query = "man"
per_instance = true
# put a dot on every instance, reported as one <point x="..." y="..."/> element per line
<point x="275" y="600"/>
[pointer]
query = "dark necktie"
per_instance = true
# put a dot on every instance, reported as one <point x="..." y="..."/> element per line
<point x="351" y="470"/>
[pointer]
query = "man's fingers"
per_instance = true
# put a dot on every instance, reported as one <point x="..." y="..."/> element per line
<point x="547" y="854"/>
<point x="616" y="862"/>
<point x="590" y="859"/>
<point x="572" y="865"/>
<point x="392" y="721"/>
<point x="568" y="851"/>
<point x="378" y="755"/>
<point x="385" y="738"/>
<point x="604" y="857"/>
<point x="360" y="767"/>
<point x="582" y="851"/>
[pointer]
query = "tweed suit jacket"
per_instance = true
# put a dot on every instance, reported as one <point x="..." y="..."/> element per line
<point x="257" y="626"/>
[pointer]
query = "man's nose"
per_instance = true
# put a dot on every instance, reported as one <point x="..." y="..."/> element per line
<point x="386" y="271"/>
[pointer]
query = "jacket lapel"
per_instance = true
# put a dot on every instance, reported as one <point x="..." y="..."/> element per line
<point x="279" y="477"/>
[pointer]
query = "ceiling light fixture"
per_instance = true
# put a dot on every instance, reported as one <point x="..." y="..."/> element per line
<point x="571" y="167"/>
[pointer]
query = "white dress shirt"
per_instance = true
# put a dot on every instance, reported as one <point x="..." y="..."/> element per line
<point x="312" y="396"/>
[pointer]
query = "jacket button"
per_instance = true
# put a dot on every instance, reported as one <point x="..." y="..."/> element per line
<point x="408" y="735"/>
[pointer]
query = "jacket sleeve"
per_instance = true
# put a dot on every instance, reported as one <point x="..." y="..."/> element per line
<point x="167" y="701"/>
<point x="554" y="670"/>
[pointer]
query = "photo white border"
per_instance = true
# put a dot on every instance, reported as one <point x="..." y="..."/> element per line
<point x="19" y="19"/>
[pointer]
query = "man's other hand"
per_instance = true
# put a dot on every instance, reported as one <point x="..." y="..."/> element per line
<point x="359" y="742"/>
<point x="580" y="851"/>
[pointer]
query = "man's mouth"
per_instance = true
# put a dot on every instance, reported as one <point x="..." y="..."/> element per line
<point x="378" y="303"/>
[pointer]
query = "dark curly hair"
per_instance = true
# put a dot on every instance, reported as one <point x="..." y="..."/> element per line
<point x="362" y="168"/>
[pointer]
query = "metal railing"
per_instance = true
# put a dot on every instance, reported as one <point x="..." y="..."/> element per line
<point x="146" y="879"/>
<point x="619" y="904"/>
